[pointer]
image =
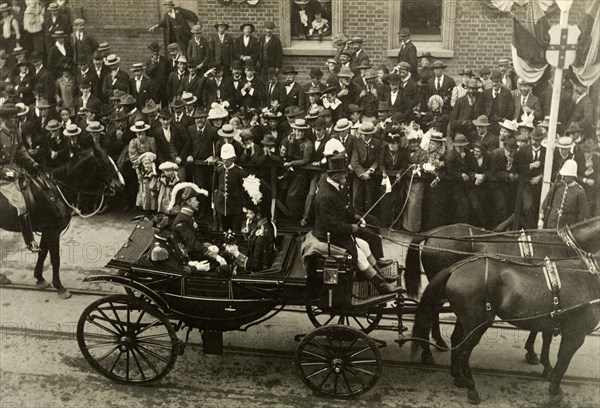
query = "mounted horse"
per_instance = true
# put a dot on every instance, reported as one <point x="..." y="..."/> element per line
<point x="90" y="172"/>
<point x="555" y="296"/>
<point x="444" y="246"/>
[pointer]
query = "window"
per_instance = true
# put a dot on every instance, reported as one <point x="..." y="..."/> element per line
<point x="310" y="20"/>
<point x="308" y="26"/>
<point x="422" y="17"/>
<point x="431" y="23"/>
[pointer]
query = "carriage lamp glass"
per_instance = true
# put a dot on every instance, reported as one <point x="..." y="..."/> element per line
<point x="330" y="273"/>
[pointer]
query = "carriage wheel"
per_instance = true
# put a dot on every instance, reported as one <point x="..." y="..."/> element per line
<point x="127" y="340"/>
<point x="364" y="321"/>
<point x="338" y="361"/>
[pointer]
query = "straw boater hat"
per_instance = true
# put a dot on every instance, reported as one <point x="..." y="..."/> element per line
<point x="569" y="168"/>
<point x="53" y="124"/>
<point x="437" y="137"/>
<point x="300" y="124"/>
<point x="367" y="128"/>
<point x="342" y="124"/>
<point x="183" y="192"/>
<point x="188" y="98"/>
<point x="94" y="127"/>
<point x="565" y="142"/>
<point x="23" y="109"/>
<point x="72" y="130"/>
<point x="139" y="126"/>
<point x="112" y="59"/>
<point x="226" y="131"/>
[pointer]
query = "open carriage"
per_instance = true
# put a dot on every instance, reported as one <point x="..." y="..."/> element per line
<point x="132" y="338"/>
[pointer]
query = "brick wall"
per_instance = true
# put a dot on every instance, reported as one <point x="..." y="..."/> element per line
<point x="482" y="35"/>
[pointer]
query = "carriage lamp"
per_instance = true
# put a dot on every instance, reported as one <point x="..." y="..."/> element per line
<point x="330" y="272"/>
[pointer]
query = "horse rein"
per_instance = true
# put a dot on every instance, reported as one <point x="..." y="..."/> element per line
<point x="566" y="235"/>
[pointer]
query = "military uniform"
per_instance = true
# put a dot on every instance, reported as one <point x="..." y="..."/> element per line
<point x="228" y="197"/>
<point x="565" y="204"/>
<point x="184" y="234"/>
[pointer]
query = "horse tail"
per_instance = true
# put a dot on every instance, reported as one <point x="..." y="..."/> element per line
<point x="412" y="267"/>
<point x="429" y="305"/>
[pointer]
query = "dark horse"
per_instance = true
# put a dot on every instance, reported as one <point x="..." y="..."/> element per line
<point x="444" y="246"/>
<point x="90" y="172"/>
<point x="483" y="287"/>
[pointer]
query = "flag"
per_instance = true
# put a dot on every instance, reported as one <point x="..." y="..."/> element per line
<point x="530" y="38"/>
<point x="587" y="61"/>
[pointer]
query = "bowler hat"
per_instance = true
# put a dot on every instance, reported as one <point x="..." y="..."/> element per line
<point x="250" y="64"/>
<point x="237" y="64"/>
<point x="438" y="64"/>
<point x="270" y="25"/>
<point x="394" y="78"/>
<point x="511" y="144"/>
<point x="289" y="70"/>
<point x="460" y="140"/>
<point x="154" y="47"/>
<point x="539" y="133"/>
<point x="164" y="113"/>
<point x="404" y="32"/>
<point x="496" y="76"/>
<point x="481" y="120"/>
<point x="319" y="123"/>
<point x="316" y="73"/>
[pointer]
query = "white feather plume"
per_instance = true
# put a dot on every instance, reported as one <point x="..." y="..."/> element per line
<point x="252" y="186"/>
<point x="180" y="186"/>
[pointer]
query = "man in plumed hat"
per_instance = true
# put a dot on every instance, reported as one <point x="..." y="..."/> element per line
<point x="335" y="222"/>
<point x="13" y="159"/>
<point x="175" y="24"/>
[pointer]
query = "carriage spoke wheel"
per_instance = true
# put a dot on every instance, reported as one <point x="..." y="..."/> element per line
<point x="338" y="361"/>
<point x="364" y="321"/>
<point x="127" y="340"/>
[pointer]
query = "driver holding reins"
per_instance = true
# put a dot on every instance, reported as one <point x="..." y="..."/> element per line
<point x="14" y="158"/>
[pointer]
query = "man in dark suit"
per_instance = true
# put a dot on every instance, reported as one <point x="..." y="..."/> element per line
<point x="82" y="43"/>
<point x="467" y="109"/>
<point x="360" y="57"/>
<point x="176" y="78"/>
<point x="526" y="102"/>
<point x="409" y="91"/>
<point x="101" y="71"/>
<point x="235" y="82"/>
<point x="498" y="102"/>
<point x="172" y="142"/>
<point x="199" y="51"/>
<point x="253" y="89"/>
<point x="116" y="79"/>
<point x="530" y="159"/>
<point x="193" y="82"/>
<point x="86" y="98"/>
<point x="503" y="180"/>
<point x="157" y="69"/>
<point x="488" y="140"/>
<point x="346" y="91"/>
<point x="175" y="24"/>
<point x="85" y="74"/>
<point x="53" y="21"/>
<point x="202" y="148"/>
<point x="336" y="223"/>
<point x="583" y="112"/>
<point x="364" y="162"/>
<point x="246" y="47"/>
<point x="440" y="84"/>
<point x="291" y="93"/>
<point x="270" y="50"/>
<point x="59" y="52"/>
<point x="216" y="88"/>
<point x="23" y="83"/>
<point x="221" y="44"/>
<point x="272" y="88"/>
<point x="43" y="76"/>
<point x="408" y="52"/>
<point x="141" y="87"/>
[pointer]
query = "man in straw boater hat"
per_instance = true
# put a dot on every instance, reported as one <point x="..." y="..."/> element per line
<point x="13" y="159"/>
<point x="336" y="223"/>
<point x="566" y="202"/>
<point x="185" y="197"/>
<point x="364" y="162"/>
<point x="116" y="79"/>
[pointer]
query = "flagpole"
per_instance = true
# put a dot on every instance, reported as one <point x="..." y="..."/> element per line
<point x="556" y="90"/>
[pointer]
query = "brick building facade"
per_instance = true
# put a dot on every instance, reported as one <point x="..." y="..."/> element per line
<point x="473" y="33"/>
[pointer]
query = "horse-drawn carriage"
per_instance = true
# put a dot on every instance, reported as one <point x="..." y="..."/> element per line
<point x="131" y="338"/>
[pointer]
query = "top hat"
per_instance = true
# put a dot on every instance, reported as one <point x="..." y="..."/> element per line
<point x="336" y="164"/>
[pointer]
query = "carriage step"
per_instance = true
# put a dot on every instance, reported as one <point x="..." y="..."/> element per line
<point x="374" y="300"/>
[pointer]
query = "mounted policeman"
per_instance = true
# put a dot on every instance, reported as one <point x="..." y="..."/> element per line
<point x="14" y="161"/>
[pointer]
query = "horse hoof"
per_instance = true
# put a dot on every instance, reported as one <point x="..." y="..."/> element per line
<point x="427" y="359"/>
<point x="4" y="280"/>
<point x="441" y="345"/>
<point x="64" y="294"/>
<point x="459" y="382"/>
<point x="532" y="358"/>
<point x="547" y="372"/>
<point x="473" y="397"/>
<point x="43" y="284"/>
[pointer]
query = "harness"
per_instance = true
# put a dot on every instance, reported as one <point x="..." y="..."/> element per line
<point x="525" y="244"/>
<point x="590" y="261"/>
<point x="554" y="285"/>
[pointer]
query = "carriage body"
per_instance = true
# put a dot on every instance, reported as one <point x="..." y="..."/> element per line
<point x="214" y="304"/>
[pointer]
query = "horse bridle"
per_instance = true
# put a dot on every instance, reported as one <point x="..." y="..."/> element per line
<point x="566" y="235"/>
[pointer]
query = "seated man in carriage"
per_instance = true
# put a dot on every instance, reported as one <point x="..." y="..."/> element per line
<point x="13" y="159"/>
<point x="185" y="229"/>
<point x="332" y="215"/>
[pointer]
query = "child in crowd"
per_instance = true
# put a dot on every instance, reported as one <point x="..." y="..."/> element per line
<point x="147" y="182"/>
<point x="168" y="179"/>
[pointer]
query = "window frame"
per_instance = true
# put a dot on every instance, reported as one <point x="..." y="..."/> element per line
<point x="438" y="47"/>
<point x="310" y="47"/>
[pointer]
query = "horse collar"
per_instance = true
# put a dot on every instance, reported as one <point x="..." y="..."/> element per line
<point x="567" y="237"/>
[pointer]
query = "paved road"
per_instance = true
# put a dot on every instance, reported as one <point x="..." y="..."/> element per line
<point x="41" y="366"/>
